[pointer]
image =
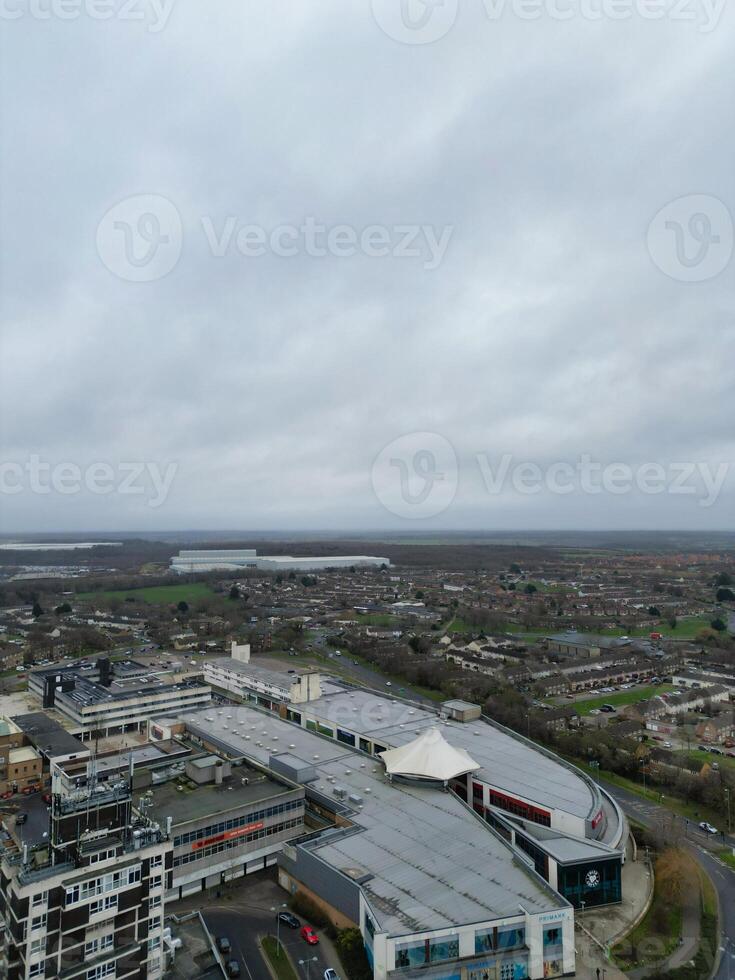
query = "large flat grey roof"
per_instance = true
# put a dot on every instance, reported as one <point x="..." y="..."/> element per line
<point x="187" y="805"/>
<point x="432" y="862"/>
<point x="507" y="762"/>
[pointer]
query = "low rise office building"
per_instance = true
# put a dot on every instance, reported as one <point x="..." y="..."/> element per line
<point x="103" y="698"/>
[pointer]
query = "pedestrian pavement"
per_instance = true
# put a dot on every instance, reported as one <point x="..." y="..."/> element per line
<point x="597" y="931"/>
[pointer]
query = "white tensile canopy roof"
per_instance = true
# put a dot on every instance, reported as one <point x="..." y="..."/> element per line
<point x="429" y="756"/>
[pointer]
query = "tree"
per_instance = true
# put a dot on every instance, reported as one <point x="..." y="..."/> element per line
<point x="63" y="609"/>
<point x="234" y="592"/>
<point x="723" y="579"/>
<point x="530" y="589"/>
<point x="654" y="611"/>
<point x="719" y="625"/>
<point x="515" y="569"/>
<point x="672" y="621"/>
<point x="37" y="610"/>
<point x="182" y="606"/>
<point x="725" y="595"/>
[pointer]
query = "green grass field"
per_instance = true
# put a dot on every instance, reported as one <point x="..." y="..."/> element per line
<point x="724" y="761"/>
<point x="620" y="698"/>
<point x="386" y="620"/>
<point x="156" y="595"/>
<point x="458" y="625"/>
<point x="686" y="629"/>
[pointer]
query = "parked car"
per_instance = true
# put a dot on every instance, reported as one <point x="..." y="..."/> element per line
<point x="707" y="827"/>
<point x="223" y="944"/>
<point x="233" y="968"/>
<point x="21" y="817"/>
<point x="668" y="745"/>
<point x="608" y="708"/>
<point x="308" y="934"/>
<point x="289" y="919"/>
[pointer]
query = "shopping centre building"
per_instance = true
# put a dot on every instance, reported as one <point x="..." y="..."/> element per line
<point x="459" y="850"/>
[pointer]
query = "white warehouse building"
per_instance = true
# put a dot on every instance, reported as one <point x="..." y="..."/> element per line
<point x="232" y="559"/>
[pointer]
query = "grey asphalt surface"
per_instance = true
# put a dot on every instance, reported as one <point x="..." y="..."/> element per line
<point x="652" y="815"/>
<point x="245" y="914"/>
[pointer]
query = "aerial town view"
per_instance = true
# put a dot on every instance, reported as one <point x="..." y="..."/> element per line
<point x="367" y="484"/>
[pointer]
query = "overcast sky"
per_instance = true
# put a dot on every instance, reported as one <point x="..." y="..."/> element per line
<point x="188" y="284"/>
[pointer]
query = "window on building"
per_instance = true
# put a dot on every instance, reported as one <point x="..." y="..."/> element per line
<point x="421" y="952"/>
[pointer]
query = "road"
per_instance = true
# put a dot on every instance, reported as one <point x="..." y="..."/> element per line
<point x="247" y="915"/>
<point x="653" y="815"/>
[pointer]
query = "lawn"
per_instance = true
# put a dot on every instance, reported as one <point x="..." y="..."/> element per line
<point x="278" y="958"/>
<point x="620" y="698"/>
<point x="724" y="761"/>
<point x="459" y="625"/>
<point x="728" y="857"/>
<point x="379" y="619"/>
<point x="157" y="595"/>
<point x="686" y="629"/>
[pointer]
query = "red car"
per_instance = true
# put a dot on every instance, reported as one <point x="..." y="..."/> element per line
<point x="309" y="935"/>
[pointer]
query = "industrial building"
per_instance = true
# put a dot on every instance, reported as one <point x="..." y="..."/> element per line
<point x="188" y="562"/>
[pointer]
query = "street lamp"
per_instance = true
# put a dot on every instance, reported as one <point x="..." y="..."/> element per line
<point x="307" y="963"/>
<point x="727" y="797"/>
<point x="276" y="909"/>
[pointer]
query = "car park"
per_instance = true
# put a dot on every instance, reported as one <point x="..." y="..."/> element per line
<point x="309" y="936"/>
